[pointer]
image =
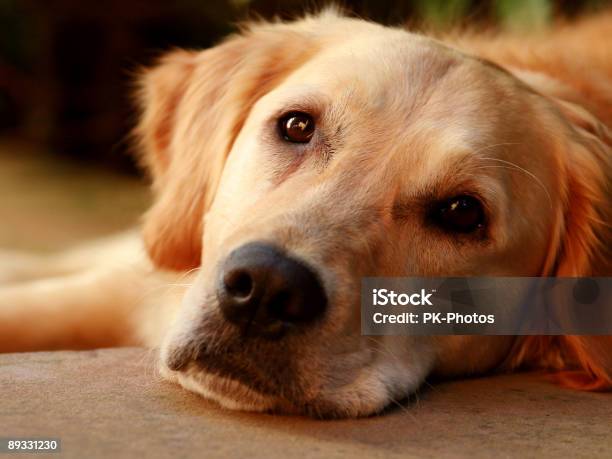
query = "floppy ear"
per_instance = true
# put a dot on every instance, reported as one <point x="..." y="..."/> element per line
<point x="587" y="242"/>
<point x="193" y="106"/>
<point x="581" y="248"/>
<point x="585" y="247"/>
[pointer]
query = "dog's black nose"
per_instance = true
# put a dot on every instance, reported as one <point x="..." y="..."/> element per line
<point x="267" y="291"/>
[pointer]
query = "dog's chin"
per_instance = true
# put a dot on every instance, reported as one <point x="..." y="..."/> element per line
<point x="226" y="392"/>
<point x="366" y="396"/>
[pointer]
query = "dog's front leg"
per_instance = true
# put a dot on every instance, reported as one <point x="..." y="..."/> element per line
<point x="18" y="266"/>
<point x="97" y="308"/>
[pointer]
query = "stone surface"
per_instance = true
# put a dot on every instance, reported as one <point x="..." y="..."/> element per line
<point x="111" y="403"/>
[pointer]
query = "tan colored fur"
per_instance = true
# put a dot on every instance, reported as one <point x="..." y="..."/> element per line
<point x="516" y="120"/>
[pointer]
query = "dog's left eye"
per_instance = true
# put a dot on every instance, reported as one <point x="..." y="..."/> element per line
<point x="296" y="127"/>
<point x="461" y="214"/>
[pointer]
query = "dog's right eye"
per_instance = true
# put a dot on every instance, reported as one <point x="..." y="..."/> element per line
<point x="296" y="127"/>
<point x="461" y="214"/>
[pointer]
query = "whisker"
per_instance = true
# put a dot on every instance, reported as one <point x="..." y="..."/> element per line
<point x="403" y="408"/>
<point x="511" y="166"/>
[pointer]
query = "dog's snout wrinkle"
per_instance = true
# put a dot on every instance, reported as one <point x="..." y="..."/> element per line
<point x="268" y="292"/>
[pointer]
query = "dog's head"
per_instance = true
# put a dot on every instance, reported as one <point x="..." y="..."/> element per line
<point x="293" y="160"/>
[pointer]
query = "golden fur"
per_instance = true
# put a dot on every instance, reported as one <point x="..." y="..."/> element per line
<point x="522" y="121"/>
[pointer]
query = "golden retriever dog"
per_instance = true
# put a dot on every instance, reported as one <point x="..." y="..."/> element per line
<point x="294" y="159"/>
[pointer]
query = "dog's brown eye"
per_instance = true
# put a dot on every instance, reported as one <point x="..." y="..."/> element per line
<point x="297" y="127"/>
<point x="461" y="214"/>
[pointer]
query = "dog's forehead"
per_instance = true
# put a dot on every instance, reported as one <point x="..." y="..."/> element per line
<point x="384" y="61"/>
<point x="391" y="71"/>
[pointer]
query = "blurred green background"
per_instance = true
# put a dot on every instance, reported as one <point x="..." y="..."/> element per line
<point x="66" y="72"/>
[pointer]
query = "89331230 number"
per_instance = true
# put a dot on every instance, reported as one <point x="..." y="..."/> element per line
<point x="30" y="445"/>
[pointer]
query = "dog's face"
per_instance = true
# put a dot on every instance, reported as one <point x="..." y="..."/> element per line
<point x="342" y="150"/>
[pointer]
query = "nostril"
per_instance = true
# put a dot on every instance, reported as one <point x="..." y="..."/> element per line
<point x="280" y="308"/>
<point x="238" y="283"/>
